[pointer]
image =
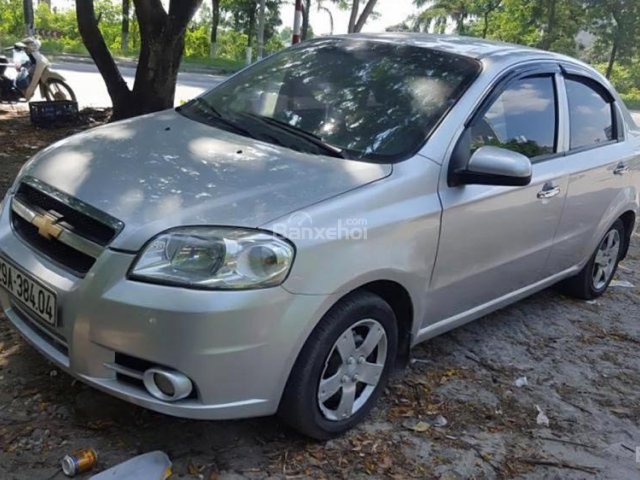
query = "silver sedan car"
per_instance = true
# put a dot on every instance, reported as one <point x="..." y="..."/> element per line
<point x="279" y="243"/>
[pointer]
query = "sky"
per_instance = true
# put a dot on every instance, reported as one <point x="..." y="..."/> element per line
<point x="391" y="12"/>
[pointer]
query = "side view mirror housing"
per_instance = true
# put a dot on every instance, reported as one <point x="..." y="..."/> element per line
<point x="495" y="166"/>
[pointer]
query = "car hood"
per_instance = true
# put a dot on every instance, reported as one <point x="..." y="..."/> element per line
<point x="163" y="170"/>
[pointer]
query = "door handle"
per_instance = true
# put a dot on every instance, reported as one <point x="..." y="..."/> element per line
<point x="621" y="169"/>
<point x="548" y="191"/>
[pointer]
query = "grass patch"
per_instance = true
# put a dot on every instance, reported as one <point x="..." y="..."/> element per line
<point x="225" y="65"/>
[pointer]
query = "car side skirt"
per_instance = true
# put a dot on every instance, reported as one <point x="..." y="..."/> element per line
<point x="460" y="319"/>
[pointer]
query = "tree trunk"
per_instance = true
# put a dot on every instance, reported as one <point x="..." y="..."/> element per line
<point x="155" y="85"/>
<point x="547" y="40"/>
<point x="215" y="22"/>
<point x="92" y="38"/>
<point x="485" y="28"/>
<point x="330" y="14"/>
<point x="617" y="37"/>
<point x="125" y="25"/>
<point x="306" y="13"/>
<point x="612" y="58"/>
<point x="355" y="7"/>
<point x="460" y="25"/>
<point x="162" y="44"/>
<point x="260" y="32"/>
<point x="250" y="32"/>
<point x="364" y="16"/>
<point x="29" y="27"/>
<point x="492" y="7"/>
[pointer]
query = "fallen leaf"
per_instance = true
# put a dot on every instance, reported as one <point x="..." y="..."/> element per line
<point x="420" y="427"/>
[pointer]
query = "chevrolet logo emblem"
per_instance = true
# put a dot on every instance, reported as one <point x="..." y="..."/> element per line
<point x="47" y="227"/>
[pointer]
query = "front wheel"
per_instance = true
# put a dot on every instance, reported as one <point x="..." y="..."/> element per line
<point x="56" y="90"/>
<point x="342" y="368"/>
<point x="594" y="278"/>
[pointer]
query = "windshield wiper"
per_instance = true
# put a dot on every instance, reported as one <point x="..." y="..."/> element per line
<point x="218" y="117"/>
<point x="300" y="133"/>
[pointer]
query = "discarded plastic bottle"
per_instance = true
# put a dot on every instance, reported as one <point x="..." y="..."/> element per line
<point x="149" y="466"/>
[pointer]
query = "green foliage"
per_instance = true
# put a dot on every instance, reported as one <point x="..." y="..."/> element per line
<point x="232" y="44"/>
<point x="550" y="25"/>
<point x="197" y="41"/>
<point x="626" y="78"/>
<point x="233" y="35"/>
<point x="616" y="24"/>
<point x="275" y="44"/>
<point x="11" y="20"/>
<point x="632" y="100"/>
<point x="242" y="15"/>
<point x="513" y="22"/>
<point x="437" y="15"/>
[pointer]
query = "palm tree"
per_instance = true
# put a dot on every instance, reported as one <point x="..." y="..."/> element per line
<point x="437" y="15"/>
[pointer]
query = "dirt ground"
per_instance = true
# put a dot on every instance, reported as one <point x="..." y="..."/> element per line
<point x="454" y="413"/>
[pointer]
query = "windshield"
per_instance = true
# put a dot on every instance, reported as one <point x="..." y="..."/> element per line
<point x="370" y="100"/>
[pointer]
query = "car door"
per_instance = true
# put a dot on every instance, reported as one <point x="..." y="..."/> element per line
<point x="598" y="161"/>
<point x="495" y="239"/>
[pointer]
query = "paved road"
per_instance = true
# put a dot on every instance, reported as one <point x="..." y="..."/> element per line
<point x="91" y="90"/>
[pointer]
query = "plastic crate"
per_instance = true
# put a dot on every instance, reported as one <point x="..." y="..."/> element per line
<point x="53" y="114"/>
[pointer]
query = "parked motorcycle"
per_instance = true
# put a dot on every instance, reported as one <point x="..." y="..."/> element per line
<point x="33" y="71"/>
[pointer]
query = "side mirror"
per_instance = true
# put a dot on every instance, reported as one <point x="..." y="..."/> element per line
<point x="496" y="166"/>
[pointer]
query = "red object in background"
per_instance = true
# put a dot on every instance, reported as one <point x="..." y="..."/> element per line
<point x="297" y="22"/>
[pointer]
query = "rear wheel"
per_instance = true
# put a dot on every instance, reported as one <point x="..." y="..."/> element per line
<point x="342" y="367"/>
<point x="56" y="90"/>
<point x="594" y="278"/>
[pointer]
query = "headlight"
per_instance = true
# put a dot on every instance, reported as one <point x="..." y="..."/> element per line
<point x="215" y="258"/>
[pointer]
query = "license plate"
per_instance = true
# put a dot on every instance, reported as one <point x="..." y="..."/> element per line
<point x="30" y="292"/>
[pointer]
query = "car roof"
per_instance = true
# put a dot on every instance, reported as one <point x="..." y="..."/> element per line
<point x="477" y="48"/>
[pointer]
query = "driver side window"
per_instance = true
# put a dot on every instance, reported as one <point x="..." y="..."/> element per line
<point x="521" y="119"/>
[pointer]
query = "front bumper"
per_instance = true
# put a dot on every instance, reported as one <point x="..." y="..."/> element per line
<point x="237" y="347"/>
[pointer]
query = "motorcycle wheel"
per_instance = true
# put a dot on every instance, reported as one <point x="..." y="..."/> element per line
<point x="56" y="90"/>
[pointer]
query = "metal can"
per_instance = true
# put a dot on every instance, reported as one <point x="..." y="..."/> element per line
<point x="78" y="462"/>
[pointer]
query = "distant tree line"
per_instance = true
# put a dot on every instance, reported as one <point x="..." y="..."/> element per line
<point x="603" y="32"/>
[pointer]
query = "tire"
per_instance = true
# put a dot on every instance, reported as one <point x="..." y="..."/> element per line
<point x="322" y="417"/>
<point x="58" y="90"/>
<point x="595" y="277"/>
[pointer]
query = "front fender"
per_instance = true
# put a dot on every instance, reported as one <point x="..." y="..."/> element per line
<point x="51" y="75"/>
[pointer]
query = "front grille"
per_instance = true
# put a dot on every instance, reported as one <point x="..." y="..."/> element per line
<point x="74" y="233"/>
<point x="61" y="254"/>
<point x="80" y="222"/>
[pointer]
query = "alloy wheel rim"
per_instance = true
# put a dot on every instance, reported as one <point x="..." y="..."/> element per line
<point x="352" y="370"/>
<point x="606" y="259"/>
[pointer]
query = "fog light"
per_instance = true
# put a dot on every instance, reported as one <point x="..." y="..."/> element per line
<point x="167" y="385"/>
<point x="164" y="385"/>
